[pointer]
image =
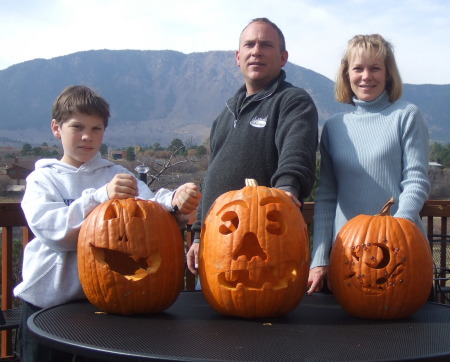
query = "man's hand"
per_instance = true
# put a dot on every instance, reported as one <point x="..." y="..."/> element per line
<point x="293" y="198"/>
<point x="192" y="258"/>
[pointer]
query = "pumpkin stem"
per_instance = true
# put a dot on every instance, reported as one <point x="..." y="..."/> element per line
<point x="250" y="182"/>
<point x="385" y="211"/>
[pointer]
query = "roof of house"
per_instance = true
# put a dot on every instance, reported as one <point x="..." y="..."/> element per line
<point x="26" y="162"/>
<point x="435" y="164"/>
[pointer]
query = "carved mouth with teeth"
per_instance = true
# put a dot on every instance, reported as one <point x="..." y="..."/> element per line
<point x="250" y="269"/>
<point x="253" y="275"/>
<point x="125" y="264"/>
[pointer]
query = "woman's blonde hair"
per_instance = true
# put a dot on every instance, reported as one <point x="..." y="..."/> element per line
<point x="381" y="48"/>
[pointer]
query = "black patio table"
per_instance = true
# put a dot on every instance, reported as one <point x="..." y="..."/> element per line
<point x="190" y="330"/>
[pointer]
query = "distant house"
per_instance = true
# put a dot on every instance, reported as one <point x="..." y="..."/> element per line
<point x="435" y="165"/>
<point x="18" y="170"/>
<point x="117" y="155"/>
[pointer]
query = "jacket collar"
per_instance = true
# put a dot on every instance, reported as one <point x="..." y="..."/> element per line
<point x="266" y="92"/>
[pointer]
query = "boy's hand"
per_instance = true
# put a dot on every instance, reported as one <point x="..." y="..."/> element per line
<point x="187" y="197"/>
<point x="122" y="186"/>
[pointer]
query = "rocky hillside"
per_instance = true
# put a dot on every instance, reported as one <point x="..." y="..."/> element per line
<point x="157" y="96"/>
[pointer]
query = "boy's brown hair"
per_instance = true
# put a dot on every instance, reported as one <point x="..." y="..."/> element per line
<point x="79" y="99"/>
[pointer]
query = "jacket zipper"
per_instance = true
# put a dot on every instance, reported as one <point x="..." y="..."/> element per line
<point x="253" y="100"/>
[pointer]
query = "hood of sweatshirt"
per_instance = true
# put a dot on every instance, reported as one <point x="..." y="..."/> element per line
<point x="61" y="167"/>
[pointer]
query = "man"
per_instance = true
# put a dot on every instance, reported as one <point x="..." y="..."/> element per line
<point x="267" y="131"/>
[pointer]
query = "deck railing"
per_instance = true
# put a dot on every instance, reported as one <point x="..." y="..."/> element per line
<point x="11" y="218"/>
<point x="435" y="215"/>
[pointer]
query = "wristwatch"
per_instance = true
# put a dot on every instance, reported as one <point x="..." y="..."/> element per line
<point x="175" y="210"/>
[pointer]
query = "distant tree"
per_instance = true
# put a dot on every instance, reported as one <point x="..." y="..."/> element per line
<point x="131" y="156"/>
<point x="103" y="149"/>
<point x="440" y="154"/>
<point x="37" y="151"/>
<point x="435" y="150"/>
<point x="44" y="144"/>
<point x="189" y="143"/>
<point x="201" y="151"/>
<point x="156" y="147"/>
<point x="26" y="149"/>
<point x="177" y="145"/>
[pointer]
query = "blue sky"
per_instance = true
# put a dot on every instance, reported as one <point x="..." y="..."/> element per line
<point x="316" y="31"/>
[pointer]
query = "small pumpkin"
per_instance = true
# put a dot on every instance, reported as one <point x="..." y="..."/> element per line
<point x="131" y="257"/>
<point x="381" y="266"/>
<point x="254" y="253"/>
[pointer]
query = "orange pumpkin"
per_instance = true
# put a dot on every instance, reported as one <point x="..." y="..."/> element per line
<point x="131" y="257"/>
<point x="254" y="253"/>
<point x="381" y="266"/>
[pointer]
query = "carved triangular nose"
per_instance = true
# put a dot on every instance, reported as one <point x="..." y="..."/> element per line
<point x="249" y="247"/>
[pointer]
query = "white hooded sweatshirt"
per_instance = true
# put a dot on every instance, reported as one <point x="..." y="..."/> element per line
<point x="57" y="199"/>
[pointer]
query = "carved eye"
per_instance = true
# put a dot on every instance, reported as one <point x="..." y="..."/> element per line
<point x="123" y="220"/>
<point x="276" y="225"/>
<point x="116" y="210"/>
<point x="111" y="212"/>
<point x="230" y="222"/>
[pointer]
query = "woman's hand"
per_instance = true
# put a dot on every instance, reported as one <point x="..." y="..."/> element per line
<point x="316" y="278"/>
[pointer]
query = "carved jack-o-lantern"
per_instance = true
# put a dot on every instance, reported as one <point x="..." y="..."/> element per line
<point x="254" y="253"/>
<point x="130" y="257"/>
<point x="381" y="266"/>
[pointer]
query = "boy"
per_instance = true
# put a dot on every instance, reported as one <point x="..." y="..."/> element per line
<point x="58" y="197"/>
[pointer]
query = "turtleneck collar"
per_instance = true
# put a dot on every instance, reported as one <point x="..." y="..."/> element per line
<point x="375" y="106"/>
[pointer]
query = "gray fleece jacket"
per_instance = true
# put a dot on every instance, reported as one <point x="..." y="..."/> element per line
<point x="270" y="136"/>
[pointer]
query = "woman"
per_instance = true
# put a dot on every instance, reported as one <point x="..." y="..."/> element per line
<point x="377" y="151"/>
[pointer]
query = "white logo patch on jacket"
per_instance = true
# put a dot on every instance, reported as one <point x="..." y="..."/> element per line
<point x="258" y="122"/>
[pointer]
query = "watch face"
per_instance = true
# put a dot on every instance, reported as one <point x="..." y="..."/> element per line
<point x="175" y="210"/>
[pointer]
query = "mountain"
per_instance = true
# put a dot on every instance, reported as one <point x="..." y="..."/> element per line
<point x="156" y="96"/>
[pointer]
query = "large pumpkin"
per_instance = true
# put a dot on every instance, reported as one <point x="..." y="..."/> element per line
<point x="254" y="253"/>
<point x="131" y="257"/>
<point x="381" y="266"/>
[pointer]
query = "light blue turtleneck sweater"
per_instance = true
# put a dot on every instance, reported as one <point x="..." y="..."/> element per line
<point x="367" y="156"/>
